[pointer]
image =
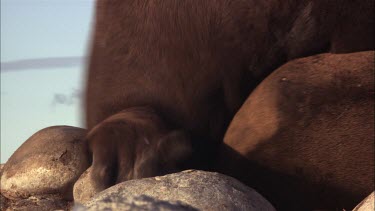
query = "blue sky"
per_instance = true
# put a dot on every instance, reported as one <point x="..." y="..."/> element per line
<point x="43" y="48"/>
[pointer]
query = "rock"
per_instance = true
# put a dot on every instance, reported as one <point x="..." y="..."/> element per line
<point x="3" y="200"/>
<point x="138" y="203"/>
<point x="84" y="189"/>
<point x="306" y="133"/>
<point x="199" y="189"/>
<point x="367" y="204"/>
<point x="49" y="162"/>
<point x="37" y="204"/>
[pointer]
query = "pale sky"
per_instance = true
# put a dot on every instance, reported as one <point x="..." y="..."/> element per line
<point x="43" y="48"/>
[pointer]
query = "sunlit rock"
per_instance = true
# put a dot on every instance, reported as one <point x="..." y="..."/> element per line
<point x="367" y="204"/>
<point x="49" y="162"/>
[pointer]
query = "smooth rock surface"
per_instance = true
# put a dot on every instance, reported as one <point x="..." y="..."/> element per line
<point x="49" y="162"/>
<point x="367" y="204"/>
<point x="138" y="203"/>
<point x="308" y="128"/>
<point x="199" y="189"/>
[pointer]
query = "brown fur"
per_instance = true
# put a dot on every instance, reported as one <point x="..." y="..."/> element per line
<point x="308" y="131"/>
<point x="189" y="65"/>
<point x="140" y="147"/>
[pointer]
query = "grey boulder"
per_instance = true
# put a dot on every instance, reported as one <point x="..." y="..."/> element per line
<point x="138" y="203"/>
<point x="198" y="189"/>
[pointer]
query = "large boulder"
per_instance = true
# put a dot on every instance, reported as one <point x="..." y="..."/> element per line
<point x="49" y="162"/>
<point x="307" y="133"/>
<point x="198" y="189"/>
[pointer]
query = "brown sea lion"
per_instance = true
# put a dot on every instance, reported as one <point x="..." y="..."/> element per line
<point x="169" y="75"/>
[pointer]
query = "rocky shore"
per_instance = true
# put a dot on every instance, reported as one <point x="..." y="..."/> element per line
<point x="50" y="171"/>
